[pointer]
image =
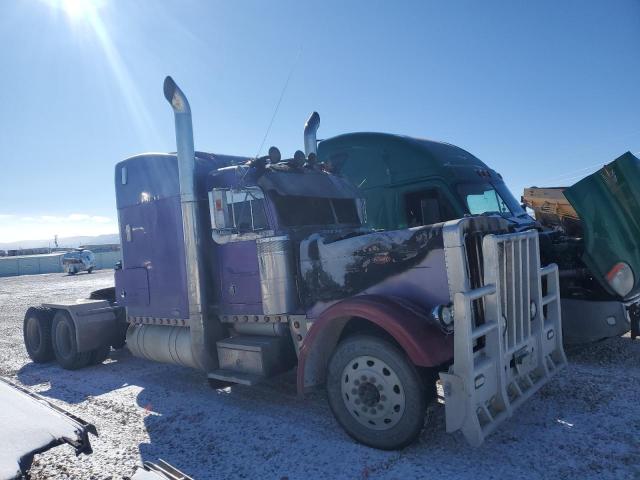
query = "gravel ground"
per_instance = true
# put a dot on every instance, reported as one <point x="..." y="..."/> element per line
<point x="584" y="424"/>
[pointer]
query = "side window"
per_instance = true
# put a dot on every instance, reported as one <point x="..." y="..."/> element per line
<point x="237" y="211"/>
<point x="426" y="207"/>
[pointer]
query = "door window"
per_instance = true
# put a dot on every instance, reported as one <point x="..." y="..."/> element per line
<point x="237" y="212"/>
<point x="426" y="207"/>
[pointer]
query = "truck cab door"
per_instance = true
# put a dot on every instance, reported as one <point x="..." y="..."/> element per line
<point x="238" y="218"/>
<point x="427" y="203"/>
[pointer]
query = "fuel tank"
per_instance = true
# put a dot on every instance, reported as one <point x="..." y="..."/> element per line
<point x="161" y="343"/>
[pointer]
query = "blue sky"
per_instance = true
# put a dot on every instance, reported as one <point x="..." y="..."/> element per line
<point x="542" y="91"/>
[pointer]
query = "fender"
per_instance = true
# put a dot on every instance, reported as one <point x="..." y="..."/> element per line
<point x="423" y="342"/>
<point x="95" y="321"/>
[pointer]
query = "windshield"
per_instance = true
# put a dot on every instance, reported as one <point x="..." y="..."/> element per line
<point x="299" y="211"/>
<point x="484" y="198"/>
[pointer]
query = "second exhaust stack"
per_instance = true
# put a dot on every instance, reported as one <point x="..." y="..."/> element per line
<point x="310" y="131"/>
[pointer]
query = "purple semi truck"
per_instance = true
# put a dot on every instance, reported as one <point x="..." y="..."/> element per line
<point x="245" y="268"/>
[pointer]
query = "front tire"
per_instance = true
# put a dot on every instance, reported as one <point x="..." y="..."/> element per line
<point x="37" y="334"/>
<point x="65" y="346"/>
<point x="375" y="393"/>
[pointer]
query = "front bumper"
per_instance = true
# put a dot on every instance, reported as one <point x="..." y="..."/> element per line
<point x="585" y="321"/>
<point x="507" y="329"/>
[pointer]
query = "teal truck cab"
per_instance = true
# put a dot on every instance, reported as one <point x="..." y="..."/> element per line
<point x="409" y="182"/>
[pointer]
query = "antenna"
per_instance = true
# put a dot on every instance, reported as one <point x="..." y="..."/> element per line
<point x="284" y="89"/>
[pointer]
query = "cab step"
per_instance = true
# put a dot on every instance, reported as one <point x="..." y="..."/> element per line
<point x="249" y="359"/>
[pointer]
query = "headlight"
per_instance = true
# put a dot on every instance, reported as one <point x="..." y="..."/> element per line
<point x="620" y="278"/>
<point x="444" y="315"/>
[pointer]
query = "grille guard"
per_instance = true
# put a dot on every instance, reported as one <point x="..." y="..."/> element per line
<point x="501" y="362"/>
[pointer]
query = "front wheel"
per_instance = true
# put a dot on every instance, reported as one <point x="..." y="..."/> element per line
<point x="375" y="393"/>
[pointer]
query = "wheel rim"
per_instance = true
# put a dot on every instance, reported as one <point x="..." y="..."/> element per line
<point x="372" y="393"/>
<point x="33" y="333"/>
<point x="63" y="340"/>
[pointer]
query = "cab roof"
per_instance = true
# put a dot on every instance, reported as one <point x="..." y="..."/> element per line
<point x="387" y="158"/>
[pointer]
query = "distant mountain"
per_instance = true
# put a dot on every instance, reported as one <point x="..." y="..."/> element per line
<point x="63" y="242"/>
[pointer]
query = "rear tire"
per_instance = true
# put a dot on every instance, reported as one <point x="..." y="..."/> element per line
<point x="65" y="346"/>
<point x="37" y="334"/>
<point x="375" y="392"/>
<point x="90" y="270"/>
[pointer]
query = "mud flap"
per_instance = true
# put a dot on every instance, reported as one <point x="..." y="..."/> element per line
<point x="507" y="336"/>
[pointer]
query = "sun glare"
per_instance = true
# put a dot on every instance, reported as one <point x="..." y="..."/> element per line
<point x="88" y="17"/>
<point x="77" y="10"/>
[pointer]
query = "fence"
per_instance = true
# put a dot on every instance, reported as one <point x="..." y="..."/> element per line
<point x="50" y="263"/>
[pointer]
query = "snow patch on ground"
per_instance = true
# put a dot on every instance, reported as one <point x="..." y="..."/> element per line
<point x="585" y="424"/>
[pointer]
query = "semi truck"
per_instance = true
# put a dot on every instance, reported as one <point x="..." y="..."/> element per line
<point x="409" y="182"/>
<point x="598" y="214"/>
<point x="245" y="268"/>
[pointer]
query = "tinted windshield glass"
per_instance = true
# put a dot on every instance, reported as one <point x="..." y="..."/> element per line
<point x="483" y="198"/>
<point x="298" y="211"/>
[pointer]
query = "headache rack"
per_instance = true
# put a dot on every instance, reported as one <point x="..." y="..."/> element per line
<point x="503" y="356"/>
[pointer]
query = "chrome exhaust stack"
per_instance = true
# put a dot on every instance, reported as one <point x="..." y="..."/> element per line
<point x="201" y="332"/>
<point x="310" y="131"/>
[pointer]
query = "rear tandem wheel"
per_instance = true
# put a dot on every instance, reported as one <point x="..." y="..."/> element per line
<point x="37" y="334"/>
<point x="65" y="345"/>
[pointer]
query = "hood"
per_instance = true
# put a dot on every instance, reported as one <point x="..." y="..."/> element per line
<point x="608" y="203"/>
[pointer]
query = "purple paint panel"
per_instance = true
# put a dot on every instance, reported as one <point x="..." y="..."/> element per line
<point x="132" y="287"/>
<point x="239" y="278"/>
<point x="152" y="240"/>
